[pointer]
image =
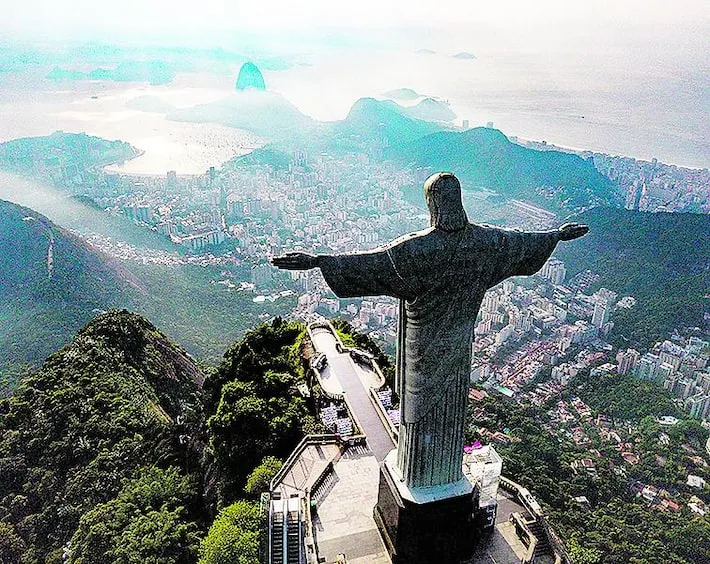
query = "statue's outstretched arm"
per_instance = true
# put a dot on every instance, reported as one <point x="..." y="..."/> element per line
<point x="369" y="273"/>
<point x="571" y="231"/>
<point x="297" y="261"/>
<point x="523" y="253"/>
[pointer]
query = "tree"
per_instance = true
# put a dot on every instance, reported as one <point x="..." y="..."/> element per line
<point x="11" y="545"/>
<point x="233" y="538"/>
<point x="159" y="537"/>
<point x="582" y="555"/>
<point x="258" y="411"/>
<point x="83" y="425"/>
<point x="146" y="522"/>
<point x="240" y="430"/>
<point x="690" y="430"/>
<point x="260" y="479"/>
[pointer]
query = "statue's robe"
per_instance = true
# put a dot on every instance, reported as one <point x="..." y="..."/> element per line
<point x="440" y="279"/>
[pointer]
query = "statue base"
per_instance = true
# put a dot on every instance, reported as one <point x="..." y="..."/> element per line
<point x="424" y="525"/>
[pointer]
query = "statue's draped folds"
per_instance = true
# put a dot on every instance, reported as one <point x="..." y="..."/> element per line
<point x="440" y="279"/>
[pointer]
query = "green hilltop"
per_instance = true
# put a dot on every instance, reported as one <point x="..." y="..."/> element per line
<point x="484" y="157"/>
<point x="60" y="151"/>
<point x="93" y="437"/>
<point x="114" y="452"/>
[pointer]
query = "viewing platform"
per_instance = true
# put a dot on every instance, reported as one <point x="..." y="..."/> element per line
<point x="327" y="489"/>
<point x="355" y="383"/>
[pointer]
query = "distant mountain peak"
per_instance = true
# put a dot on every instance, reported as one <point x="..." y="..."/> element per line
<point x="402" y="94"/>
<point x="250" y="77"/>
<point x="430" y="109"/>
<point x="265" y="113"/>
<point x="485" y="133"/>
<point x="365" y="104"/>
<point x="375" y="120"/>
<point x="486" y="157"/>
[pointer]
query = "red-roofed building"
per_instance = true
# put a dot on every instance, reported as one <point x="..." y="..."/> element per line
<point x="477" y="395"/>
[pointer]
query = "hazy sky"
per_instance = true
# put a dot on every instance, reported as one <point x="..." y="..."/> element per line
<point x="46" y="18"/>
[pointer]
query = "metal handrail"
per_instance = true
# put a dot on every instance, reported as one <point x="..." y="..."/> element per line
<point x="296" y="453"/>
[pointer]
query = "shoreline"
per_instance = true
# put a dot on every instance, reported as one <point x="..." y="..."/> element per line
<point x="518" y="140"/>
<point x="524" y="141"/>
<point x="142" y="152"/>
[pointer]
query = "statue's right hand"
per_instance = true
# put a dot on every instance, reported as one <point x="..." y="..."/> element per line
<point x="295" y="261"/>
<point x="571" y="231"/>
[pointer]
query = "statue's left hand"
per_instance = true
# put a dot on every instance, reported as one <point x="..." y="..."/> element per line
<point x="571" y="231"/>
<point x="295" y="261"/>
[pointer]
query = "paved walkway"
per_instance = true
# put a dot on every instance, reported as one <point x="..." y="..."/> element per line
<point x="308" y="468"/>
<point x="344" y="522"/>
<point x="341" y="373"/>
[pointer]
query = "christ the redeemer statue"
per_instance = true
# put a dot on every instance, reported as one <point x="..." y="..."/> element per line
<point x="440" y="276"/>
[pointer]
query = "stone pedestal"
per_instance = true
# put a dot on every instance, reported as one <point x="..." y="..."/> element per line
<point x="425" y="525"/>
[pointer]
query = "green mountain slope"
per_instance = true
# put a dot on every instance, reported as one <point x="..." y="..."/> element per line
<point x="51" y="285"/>
<point x="483" y="157"/>
<point x="39" y="314"/>
<point x="104" y="450"/>
<point x="57" y="155"/>
<point x="101" y="427"/>
<point x="371" y="121"/>
<point x="430" y="109"/>
<point x="661" y="259"/>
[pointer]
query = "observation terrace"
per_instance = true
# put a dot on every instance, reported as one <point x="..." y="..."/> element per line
<point x="333" y="483"/>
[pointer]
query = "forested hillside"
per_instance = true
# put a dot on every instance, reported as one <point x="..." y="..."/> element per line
<point x="48" y="295"/>
<point x="93" y="448"/>
<point x="112" y="451"/>
<point x="56" y="155"/>
<point x="51" y="285"/>
<point x="661" y="259"/>
<point x="483" y="157"/>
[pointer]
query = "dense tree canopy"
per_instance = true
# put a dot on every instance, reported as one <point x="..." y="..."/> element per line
<point x="257" y="411"/>
<point x="661" y="259"/>
<point x="233" y="538"/>
<point x="260" y="479"/>
<point x="96" y="413"/>
<point x="146" y="522"/>
<point x="625" y="396"/>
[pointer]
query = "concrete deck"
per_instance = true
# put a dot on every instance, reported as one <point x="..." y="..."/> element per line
<point x="345" y="500"/>
<point x="307" y="469"/>
<point x="353" y="382"/>
<point x="343" y="522"/>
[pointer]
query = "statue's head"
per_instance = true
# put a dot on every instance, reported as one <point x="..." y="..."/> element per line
<point x="443" y="196"/>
